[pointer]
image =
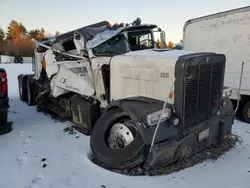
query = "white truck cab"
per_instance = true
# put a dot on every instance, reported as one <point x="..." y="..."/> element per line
<point x="95" y="52"/>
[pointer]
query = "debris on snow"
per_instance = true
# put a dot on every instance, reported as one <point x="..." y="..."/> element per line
<point x="70" y="130"/>
<point x="35" y="182"/>
<point x="43" y="159"/>
<point x="211" y="153"/>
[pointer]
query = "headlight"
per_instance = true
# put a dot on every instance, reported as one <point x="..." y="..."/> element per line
<point x="153" y="118"/>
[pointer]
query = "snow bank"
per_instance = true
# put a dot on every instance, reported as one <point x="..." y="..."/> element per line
<point x="10" y="59"/>
<point x="27" y="59"/>
<point x="37" y="153"/>
<point x="6" y="59"/>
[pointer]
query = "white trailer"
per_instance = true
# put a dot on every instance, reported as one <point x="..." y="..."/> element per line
<point x="228" y="33"/>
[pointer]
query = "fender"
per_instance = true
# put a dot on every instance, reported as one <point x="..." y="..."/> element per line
<point x="138" y="108"/>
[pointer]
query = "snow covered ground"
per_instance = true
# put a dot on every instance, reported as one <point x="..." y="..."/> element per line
<point x="38" y="154"/>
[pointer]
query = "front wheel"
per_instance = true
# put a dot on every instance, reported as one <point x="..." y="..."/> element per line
<point x="115" y="141"/>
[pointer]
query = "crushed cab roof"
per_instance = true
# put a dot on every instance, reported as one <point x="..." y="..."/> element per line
<point x="101" y="37"/>
<point x="96" y="33"/>
<point x="97" y="27"/>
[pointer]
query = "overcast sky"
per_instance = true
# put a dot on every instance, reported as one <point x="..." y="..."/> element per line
<point x="65" y="15"/>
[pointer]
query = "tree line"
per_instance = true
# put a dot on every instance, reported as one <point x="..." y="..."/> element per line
<point x="17" y="39"/>
<point x="168" y="44"/>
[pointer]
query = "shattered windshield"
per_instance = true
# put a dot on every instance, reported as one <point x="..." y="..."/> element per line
<point x="114" y="46"/>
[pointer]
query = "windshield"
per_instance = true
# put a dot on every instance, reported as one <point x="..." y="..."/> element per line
<point x="114" y="46"/>
<point x="140" y="40"/>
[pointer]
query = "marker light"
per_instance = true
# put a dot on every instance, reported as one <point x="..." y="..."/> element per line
<point x="115" y="25"/>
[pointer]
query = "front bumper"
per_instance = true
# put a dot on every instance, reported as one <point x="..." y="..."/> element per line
<point x="4" y="104"/>
<point x="209" y="133"/>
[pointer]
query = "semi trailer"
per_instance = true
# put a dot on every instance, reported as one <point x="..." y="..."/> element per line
<point x="139" y="104"/>
<point x="228" y="33"/>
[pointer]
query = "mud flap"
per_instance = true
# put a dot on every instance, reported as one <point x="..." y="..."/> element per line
<point x="161" y="155"/>
<point x="225" y="127"/>
<point x="84" y="113"/>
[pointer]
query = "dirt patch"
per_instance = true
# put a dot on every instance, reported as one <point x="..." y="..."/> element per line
<point x="212" y="153"/>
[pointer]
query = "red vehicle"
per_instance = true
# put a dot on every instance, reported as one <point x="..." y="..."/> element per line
<point x="4" y="103"/>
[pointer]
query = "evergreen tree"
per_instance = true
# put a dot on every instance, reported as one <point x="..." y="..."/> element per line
<point x="2" y="35"/>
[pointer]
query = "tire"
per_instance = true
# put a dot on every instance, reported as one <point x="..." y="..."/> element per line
<point x="3" y="117"/>
<point x="125" y="158"/>
<point x="246" y="112"/>
<point x="30" y="85"/>
<point x="22" y="88"/>
<point x="5" y="127"/>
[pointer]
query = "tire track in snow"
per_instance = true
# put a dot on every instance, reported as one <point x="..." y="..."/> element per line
<point x="36" y="181"/>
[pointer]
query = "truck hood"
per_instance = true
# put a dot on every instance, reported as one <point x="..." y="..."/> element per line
<point x="159" y="53"/>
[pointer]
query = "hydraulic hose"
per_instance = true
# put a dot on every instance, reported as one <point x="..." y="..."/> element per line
<point x="238" y="98"/>
<point x="159" y="121"/>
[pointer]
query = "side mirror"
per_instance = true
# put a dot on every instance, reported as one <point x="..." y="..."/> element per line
<point x="158" y="30"/>
<point x="79" y="42"/>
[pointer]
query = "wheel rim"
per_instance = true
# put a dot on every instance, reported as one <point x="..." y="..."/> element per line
<point x="121" y="135"/>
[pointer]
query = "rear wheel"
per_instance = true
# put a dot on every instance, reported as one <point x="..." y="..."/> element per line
<point x="30" y="85"/>
<point x="116" y="142"/>
<point x="22" y="88"/>
<point x="246" y="112"/>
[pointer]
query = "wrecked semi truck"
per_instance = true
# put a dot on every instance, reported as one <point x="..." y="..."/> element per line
<point x="139" y="104"/>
